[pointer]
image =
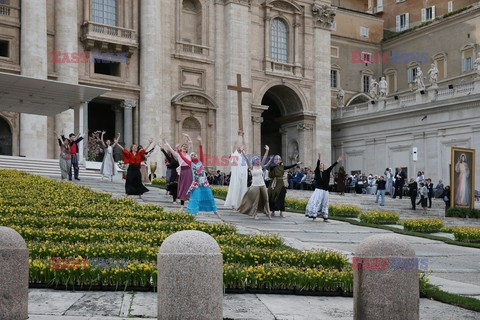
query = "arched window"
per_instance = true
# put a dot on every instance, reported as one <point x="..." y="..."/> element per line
<point x="279" y="41"/>
<point x="104" y="12"/>
<point x="191" y="22"/>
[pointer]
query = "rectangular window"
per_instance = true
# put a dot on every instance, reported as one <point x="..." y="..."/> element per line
<point x="104" y="12"/>
<point x="333" y="78"/>
<point x="366" y="83"/>
<point x="402" y="22"/>
<point x="412" y="73"/>
<point x="366" y="57"/>
<point x="428" y="14"/>
<point x="379" y="5"/>
<point x="4" y="48"/>
<point x="450" y="6"/>
<point x="467" y="60"/>
<point x="364" y="32"/>
<point x="109" y="69"/>
<point x="334" y="52"/>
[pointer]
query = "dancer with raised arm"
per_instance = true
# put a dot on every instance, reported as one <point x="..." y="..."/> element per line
<point x="108" y="169"/>
<point x="277" y="190"/>
<point x="172" y="165"/>
<point x="134" y="158"/>
<point x="201" y="197"/>
<point x="256" y="197"/>
<point x="319" y="200"/>
<point x="65" y="156"/>
<point x="239" y="176"/>
<point x="185" y="172"/>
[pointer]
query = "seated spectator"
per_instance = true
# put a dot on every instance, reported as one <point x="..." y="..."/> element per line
<point x="446" y="198"/>
<point x="308" y="179"/>
<point x="296" y="179"/>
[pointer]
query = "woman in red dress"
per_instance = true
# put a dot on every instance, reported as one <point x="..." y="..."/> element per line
<point x="134" y="158"/>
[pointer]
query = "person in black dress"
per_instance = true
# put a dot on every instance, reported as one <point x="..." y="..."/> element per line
<point x="412" y="192"/>
<point x="172" y="165"/>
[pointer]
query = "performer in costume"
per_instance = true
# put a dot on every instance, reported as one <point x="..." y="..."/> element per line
<point x="65" y="156"/>
<point x="143" y="166"/>
<point x="319" y="199"/>
<point x="238" y="178"/>
<point x="172" y="165"/>
<point x="256" y="197"/>
<point x="277" y="190"/>
<point x="134" y="158"/>
<point x="201" y="197"/>
<point x="108" y="169"/>
<point x="184" y="171"/>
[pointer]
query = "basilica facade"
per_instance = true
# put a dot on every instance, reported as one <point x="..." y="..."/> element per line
<point x="168" y="65"/>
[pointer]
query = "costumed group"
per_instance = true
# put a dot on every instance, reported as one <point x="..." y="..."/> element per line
<point x="187" y="180"/>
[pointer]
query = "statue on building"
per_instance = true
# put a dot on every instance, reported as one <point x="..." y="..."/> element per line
<point x="419" y="79"/>
<point x="433" y="75"/>
<point x="373" y="91"/>
<point x="476" y="65"/>
<point x="383" y="86"/>
<point x="340" y="98"/>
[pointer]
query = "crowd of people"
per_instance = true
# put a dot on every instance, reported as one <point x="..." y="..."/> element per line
<point x="255" y="184"/>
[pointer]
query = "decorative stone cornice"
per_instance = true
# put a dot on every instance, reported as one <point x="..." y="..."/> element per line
<point x="323" y="15"/>
<point x="239" y="2"/>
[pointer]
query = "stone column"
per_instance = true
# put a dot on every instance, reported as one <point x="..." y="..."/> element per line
<point x="305" y="139"/>
<point x="66" y="40"/>
<point x="119" y="122"/>
<point x="155" y="70"/>
<point x="190" y="277"/>
<point x="128" y="106"/>
<point x="385" y="279"/>
<point x="257" y="135"/>
<point x="322" y="101"/>
<point x="83" y="128"/>
<point x="268" y="26"/>
<point x="13" y="275"/>
<point x="34" y="57"/>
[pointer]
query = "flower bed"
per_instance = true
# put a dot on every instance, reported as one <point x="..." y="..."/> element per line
<point x="466" y="234"/>
<point x="380" y="217"/>
<point x="59" y="219"/>
<point x="344" y="211"/>
<point x="428" y="225"/>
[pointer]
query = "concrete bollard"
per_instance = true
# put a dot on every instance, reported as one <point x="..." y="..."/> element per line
<point x="190" y="277"/>
<point x="385" y="277"/>
<point x="13" y="275"/>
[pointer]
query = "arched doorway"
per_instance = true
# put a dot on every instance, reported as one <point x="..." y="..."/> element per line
<point x="5" y="138"/>
<point x="193" y="128"/>
<point x="281" y="123"/>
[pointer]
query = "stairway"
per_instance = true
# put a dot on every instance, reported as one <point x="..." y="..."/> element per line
<point x="43" y="167"/>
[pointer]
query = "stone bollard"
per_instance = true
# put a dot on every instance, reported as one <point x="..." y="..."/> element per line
<point x="190" y="277"/>
<point x="13" y="275"/>
<point x="385" y="279"/>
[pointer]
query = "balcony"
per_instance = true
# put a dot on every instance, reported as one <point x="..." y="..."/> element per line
<point x="283" y="69"/>
<point x="195" y="52"/>
<point x="411" y="101"/>
<point x="10" y="14"/>
<point x="107" y="37"/>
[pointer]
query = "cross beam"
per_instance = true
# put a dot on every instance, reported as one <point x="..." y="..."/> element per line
<point x="239" y="90"/>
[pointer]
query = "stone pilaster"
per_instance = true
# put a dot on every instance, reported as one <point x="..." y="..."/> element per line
<point x="33" y="129"/>
<point x="155" y="105"/>
<point x="119" y="122"/>
<point x="237" y="22"/>
<point x="305" y="139"/>
<point x="66" y="40"/>
<point x="128" y="106"/>
<point x="323" y="18"/>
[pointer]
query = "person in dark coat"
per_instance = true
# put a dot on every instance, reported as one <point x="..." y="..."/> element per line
<point x="400" y="177"/>
<point x="412" y="192"/>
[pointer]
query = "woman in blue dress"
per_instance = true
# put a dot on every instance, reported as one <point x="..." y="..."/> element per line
<point x="201" y="197"/>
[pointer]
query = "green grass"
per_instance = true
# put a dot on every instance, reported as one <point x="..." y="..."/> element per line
<point x="433" y="292"/>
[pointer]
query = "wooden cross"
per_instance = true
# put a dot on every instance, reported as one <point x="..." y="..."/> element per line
<point x="239" y="90"/>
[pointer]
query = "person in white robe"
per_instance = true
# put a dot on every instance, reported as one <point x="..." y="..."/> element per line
<point x="108" y="169"/>
<point x="238" y="178"/>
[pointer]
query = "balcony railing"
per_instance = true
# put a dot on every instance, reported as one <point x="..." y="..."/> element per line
<point x="106" y="33"/>
<point x="409" y="100"/>
<point x="283" y="68"/>
<point x="9" y="11"/>
<point x="185" y="48"/>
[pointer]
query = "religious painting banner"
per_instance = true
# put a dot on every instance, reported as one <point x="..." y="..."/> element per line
<point x="462" y="178"/>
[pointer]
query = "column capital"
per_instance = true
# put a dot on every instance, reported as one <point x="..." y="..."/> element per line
<point x="128" y="104"/>
<point x="323" y="15"/>
<point x="257" y="120"/>
<point x="304" y="127"/>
